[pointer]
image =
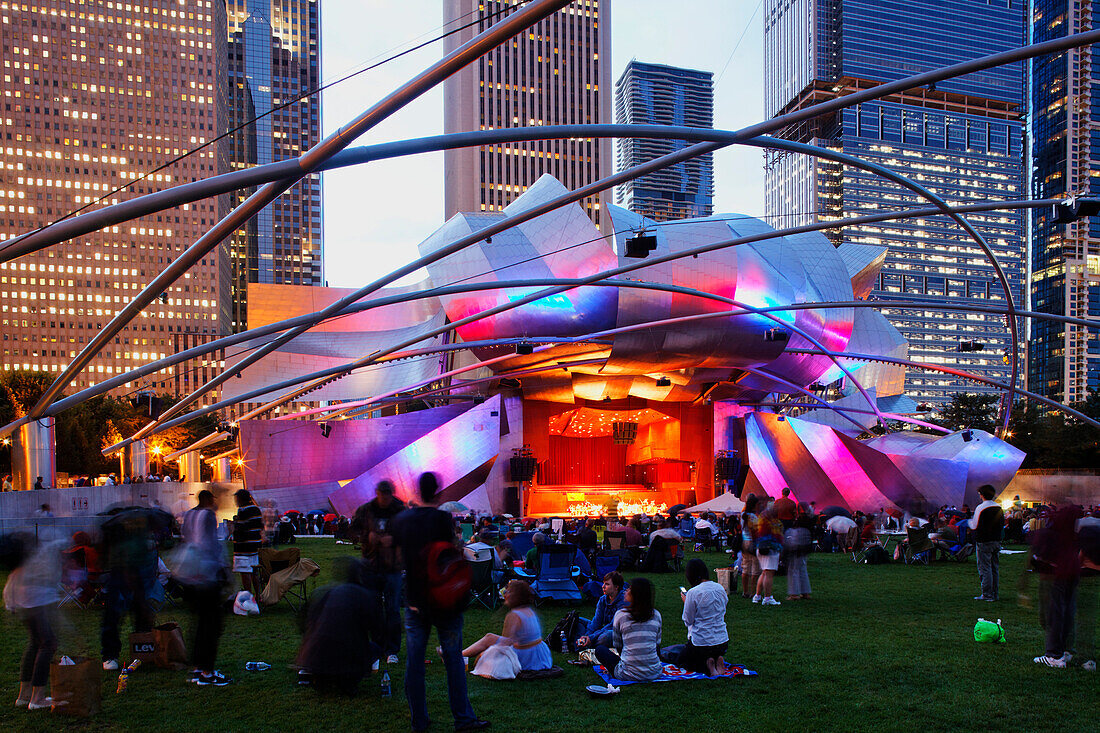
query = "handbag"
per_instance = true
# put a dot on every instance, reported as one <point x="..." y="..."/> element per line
<point x="75" y="688"/>
<point x="170" y="651"/>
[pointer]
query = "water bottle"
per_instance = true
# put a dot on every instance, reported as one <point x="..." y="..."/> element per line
<point x="564" y="644"/>
<point x="386" y="689"/>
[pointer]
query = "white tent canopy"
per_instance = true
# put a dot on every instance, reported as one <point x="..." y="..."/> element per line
<point x="726" y="503"/>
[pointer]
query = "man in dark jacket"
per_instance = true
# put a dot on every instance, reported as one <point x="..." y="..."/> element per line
<point x="988" y="525"/>
<point x="414" y="531"/>
<point x="372" y="528"/>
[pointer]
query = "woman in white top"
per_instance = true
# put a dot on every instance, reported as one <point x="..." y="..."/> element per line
<point x="705" y="618"/>
<point x="30" y="593"/>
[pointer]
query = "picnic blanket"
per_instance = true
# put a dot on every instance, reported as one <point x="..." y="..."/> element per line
<point x="672" y="673"/>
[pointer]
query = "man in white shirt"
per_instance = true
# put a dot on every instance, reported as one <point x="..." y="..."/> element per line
<point x="705" y="618"/>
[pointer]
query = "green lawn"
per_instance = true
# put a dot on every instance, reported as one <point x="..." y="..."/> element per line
<point x="878" y="648"/>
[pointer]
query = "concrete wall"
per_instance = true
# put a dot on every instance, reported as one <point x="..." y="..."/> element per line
<point x="76" y="508"/>
<point x="1057" y="488"/>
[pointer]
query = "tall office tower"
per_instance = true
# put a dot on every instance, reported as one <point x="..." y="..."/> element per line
<point x="963" y="140"/>
<point x="556" y="73"/>
<point x="275" y="57"/>
<point x="1064" y="359"/>
<point x="96" y="94"/>
<point x="655" y="94"/>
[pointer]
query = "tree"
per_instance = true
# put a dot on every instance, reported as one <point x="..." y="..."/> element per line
<point x="977" y="411"/>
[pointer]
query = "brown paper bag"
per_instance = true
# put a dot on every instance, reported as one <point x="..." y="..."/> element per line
<point x="75" y="688"/>
<point x="143" y="646"/>
<point x="171" y="652"/>
<point x="726" y="579"/>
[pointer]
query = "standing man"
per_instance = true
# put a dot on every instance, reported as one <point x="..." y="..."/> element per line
<point x="988" y="524"/>
<point x="248" y="534"/>
<point x="785" y="509"/>
<point x="415" y="531"/>
<point x="131" y="562"/>
<point x="372" y="526"/>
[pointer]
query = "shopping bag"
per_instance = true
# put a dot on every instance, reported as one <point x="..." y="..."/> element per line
<point x="170" y="651"/>
<point x="989" y="631"/>
<point x="75" y="688"/>
<point x="143" y="646"/>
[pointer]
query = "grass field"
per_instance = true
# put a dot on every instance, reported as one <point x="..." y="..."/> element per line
<point x="878" y="648"/>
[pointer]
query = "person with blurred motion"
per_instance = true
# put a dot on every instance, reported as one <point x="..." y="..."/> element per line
<point x="750" y="568"/>
<point x="372" y="527"/>
<point x="130" y="559"/>
<point x="202" y="573"/>
<point x="422" y="534"/>
<point x="785" y="509"/>
<point x="521" y="630"/>
<point x="1056" y="552"/>
<point x="31" y="593"/>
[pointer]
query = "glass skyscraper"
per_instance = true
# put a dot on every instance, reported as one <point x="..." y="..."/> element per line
<point x="274" y="57"/>
<point x="655" y="94"/>
<point x="963" y="139"/>
<point x="1064" y="360"/>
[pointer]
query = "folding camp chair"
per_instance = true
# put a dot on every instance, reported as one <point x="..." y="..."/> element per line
<point x="467" y="532"/>
<point x="675" y="554"/>
<point x="482" y="588"/>
<point x="284" y="576"/>
<point x="687" y="528"/>
<point x="80" y="585"/>
<point x="920" y="547"/>
<point x="555" y="577"/>
<point x="704" y="539"/>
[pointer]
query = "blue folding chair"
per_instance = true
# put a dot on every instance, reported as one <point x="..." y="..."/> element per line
<point x="555" y="578"/>
<point x="687" y="528"/>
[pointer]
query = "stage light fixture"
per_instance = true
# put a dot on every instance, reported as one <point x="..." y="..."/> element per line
<point x="640" y="245"/>
<point x="326" y="429"/>
<point x="664" y="382"/>
<point x="968" y="435"/>
<point x="525" y="349"/>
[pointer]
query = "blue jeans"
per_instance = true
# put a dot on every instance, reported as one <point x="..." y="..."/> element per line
<point x="126" y="589"/>
<point x="388" y="586"/>
<point x="418" y="627"/>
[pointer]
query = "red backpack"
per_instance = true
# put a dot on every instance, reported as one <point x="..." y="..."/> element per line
<point x="449" y="577"/>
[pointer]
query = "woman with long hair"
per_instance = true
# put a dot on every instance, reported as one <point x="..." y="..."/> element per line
<point x="636" y="636"/>
<point x="31" y="594"/>
<point x="522" y="630"/>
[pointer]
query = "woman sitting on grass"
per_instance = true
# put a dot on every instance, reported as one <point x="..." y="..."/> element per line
<point x="636" y="634"/>
<point x="521" y="631"/>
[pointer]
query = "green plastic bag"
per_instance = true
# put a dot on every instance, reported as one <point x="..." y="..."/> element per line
<point x="989" y="631"/>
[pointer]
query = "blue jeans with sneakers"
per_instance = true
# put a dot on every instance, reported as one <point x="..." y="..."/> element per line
<point x="418" y="627"/>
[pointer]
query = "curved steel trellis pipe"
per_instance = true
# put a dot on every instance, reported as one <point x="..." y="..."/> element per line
<point x="490" y="38"/>
<point x="308" y="162"/>
<point x="805" y="228"/>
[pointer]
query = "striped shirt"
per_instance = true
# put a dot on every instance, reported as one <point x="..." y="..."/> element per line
<point x="248" y="527"/>
<point x="638" y="642"/>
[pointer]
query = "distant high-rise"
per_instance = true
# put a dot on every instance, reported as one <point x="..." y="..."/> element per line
<point x="97" y="94"/>
<point x="556" y="73"/>
<point x="274" y="57"/>
<point x="1064" y="359"/>
<point x="655" y="94"/>
<point x="963" y="139"/>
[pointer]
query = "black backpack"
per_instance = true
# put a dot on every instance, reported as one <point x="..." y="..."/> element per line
<point x="564" y="636"/>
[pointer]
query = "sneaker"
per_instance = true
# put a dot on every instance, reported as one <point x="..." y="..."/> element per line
<point x="110" y="665"/>
<point x="217" y="679"/>
<point x="982" y="598"/>
<point x="756" y="598"/>
<point x="476" y="725"/>
<point x="194" y="677"/>
<point x="304" y="678"/>
<point x="1067" y="657"/>
<point x="391" y="659"/>
<point x="769" y="601"/>
<point x="1089" y="666"/>
<point x="1055" y="662"/>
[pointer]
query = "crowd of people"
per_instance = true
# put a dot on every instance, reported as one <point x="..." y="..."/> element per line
<point x="408" y="582"/>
